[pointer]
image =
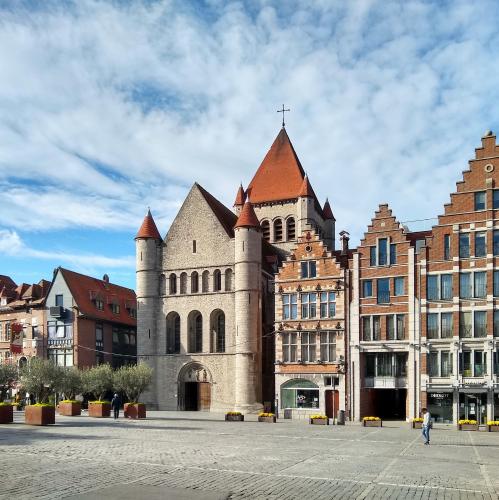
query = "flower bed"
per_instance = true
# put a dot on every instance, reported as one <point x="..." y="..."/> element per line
<point x="39" y="414"/>
<point x="6" y="413"/>
<point x="416" y="423"/>
<point x="467" y="425"/>
<point x="267" y="417"/>
<point x="69" y="408"/>
<point x="372" y="422"/>
<point x="493" y="426"/>
<point x="134" y="410"/>
<point x="234" y="416"/>
<point x="99" y="409"/>
<point x="319" y="420"/>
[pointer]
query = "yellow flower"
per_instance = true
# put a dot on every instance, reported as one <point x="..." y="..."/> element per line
<point x="417" y="419"/>
<point x="321" y="417"/>
<point x="371" y="418"/>
<point x="266" y="414"/>
<point x="467" y="422"/>
<point x="493" y="422"/>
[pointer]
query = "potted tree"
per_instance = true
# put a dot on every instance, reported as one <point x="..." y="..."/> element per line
<point x="40" y="378"/>
<point x="8" y="377"/>
<point x="372" y="422"/>
<point x="70" y="385"/>
<point x="98" y="380"/>
<point x="133" y="380"/>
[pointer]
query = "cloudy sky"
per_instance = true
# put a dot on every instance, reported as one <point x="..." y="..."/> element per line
<point x="107" y="108"/>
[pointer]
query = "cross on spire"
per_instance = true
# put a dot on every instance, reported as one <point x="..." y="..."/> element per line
<point x="283" y="111"/>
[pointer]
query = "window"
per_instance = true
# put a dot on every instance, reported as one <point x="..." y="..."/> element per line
<point x="299" y="393"/>
<point x="308" y="305"/>
<point x="328" y="304"/>
<point x="480" y="200"/>
<point x="173" y="283"/>
<point x="480" y="324"/>
<point x="495" y="242"/>
<point x="480" y="284"/>
<point x="432" y="325"/>
<point x="390" y="327"/>
<point x="465" y="326"/>
<point x="400" y="326"/>
<point x="289" y="306"/>
<point x="328" y="346"/>
<point x="447" y="246"/>
<point x="278" y="230"/>
<point x="432" y="287"/>
<point x="205" y="280"/>
<point x="446" y="287"/>
<point x="376" y="327"/>
<point x="173" y="333"/>
<point x="496" y="323"/>
<point x="217" y="280"/>
<point x="266" y="230"/>
<point x="465" y="363"/>
<point x="372" y="256"/>
<point x="99" y="336"/>
<point x="59" y="300"/>
<point x="290" y="228"/>
<point x="194" y="282"/>
<point x="308" y="269"/>
<point x="366" y="328"/>
<point x="219" y="331"/>
<point x="383" y="286"/>
<point x="445" y="364"/>
<point x="195" y="341"/>
<point x="464" y="246"/>
<point x="480" y="364"/>
<point x="465" y="291"/>
<point x="433" y="364"/>
<point x="447" y="322"/>
<point x="367" y="288"/>
<point x="115" y="308"/>
<point x="289" y="347"/>
<point x="61" y="357"/>
<point x="183" y="283"/>
<point x="399" y="286"/>
<point x="99" y="304"/>
<point x="382" y="252"/>
<point x="393" y="253"/>
<point x="194" y="246"/>
<point x="480" y="244"/>
<point x="308" y="347"/>
<point x="228" y="280"/>
<point x="495" y="198"/>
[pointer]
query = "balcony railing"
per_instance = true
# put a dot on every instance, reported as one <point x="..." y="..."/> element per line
<point x="385" y="382"/>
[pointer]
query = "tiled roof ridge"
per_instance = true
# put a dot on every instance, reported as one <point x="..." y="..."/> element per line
<point x="114" y="285"/>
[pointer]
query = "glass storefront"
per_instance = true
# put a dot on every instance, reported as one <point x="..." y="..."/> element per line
<point x="440" y="407"/>
<point x="473" y="407"/>
<point x="299" y="393"/>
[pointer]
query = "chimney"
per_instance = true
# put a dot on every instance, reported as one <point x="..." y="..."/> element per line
<point x="105" y="278"/>
<point x="344" y="237"/>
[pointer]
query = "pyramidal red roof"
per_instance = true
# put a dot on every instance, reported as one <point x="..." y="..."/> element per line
<point x="306" y="188"/>
<point x="240" y="197"/>
<point x="247" y="217"/>
<point x="280" y="176"/>
<point x="327" y="212"/>
<point x="148" y="228"/>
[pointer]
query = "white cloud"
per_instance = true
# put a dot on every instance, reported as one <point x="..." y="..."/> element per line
<point x="106" y="108"/>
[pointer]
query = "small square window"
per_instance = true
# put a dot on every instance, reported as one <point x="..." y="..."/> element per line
<point x="480" y="200"/>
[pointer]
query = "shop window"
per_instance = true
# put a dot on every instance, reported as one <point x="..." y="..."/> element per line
<point x="299" y="393"/>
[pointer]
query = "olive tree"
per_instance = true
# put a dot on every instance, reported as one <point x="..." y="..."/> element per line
<point x="98" y="380"/>
<point x="71" y="383"/>
<point x="133" y="380"/>
<point x="8" y="379"/>
<point x="41" y="378"/>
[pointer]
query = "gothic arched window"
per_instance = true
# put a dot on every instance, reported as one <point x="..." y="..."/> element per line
<point x="173" y="333"/>
<point x="173" y="283"/>
<point x="194" y="282"/>
<point x="217" y="337"/>
<point x="183" y="283"/>
<point x="195" y="340"/>
<point x="217" y="280"/>
<point x="205" y="282"/>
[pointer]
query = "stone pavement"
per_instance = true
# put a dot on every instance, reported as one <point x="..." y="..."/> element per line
<point x="194" y="456"/>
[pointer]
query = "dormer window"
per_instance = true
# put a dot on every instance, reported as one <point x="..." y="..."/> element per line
<point x="115" y="308"/>
<point x="99" y="304"/>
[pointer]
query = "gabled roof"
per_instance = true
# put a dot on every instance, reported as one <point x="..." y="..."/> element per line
<point x="247" y="217"/>
<point x="225" y="216"/>
<point x="280" y="175"/>
<point x="148" y="229"/>
<point x="240" y="197"/>
<point x="7" y="282"/>
<point x="84" y="289"/>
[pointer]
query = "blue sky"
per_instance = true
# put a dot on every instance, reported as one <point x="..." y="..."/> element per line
<point x="107" y="108"/>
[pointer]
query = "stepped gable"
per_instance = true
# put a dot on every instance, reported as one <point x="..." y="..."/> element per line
<point x="280" y="175"/>
<point x="148" y="229"/>
<point x="85" y="289"/>
<point x="248" y="218"/>
<point x="240" y="197"/>
<point x="226" y="217"/>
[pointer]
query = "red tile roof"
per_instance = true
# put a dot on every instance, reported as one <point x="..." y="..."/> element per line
<point x="83" y="288"/>
<point x="240" y="197"/>
<point x="280" y="176"/>
<point x="306" y="189"/>
<point x="247" y="217"/>
<point x="226" y="217"/>
<point x="327" y="212"/>
<point x="148" y="228"/>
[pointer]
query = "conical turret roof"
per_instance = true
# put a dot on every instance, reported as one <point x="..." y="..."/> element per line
<point x="148" y="229"/>
<point x="240" y="197"/>
<point x="327" y="212"/>
<point x="247" y="217"/>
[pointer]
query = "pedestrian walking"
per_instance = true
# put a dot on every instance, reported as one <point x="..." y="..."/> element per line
<point x="115" y="405"/>
<point x="426" y="426"/>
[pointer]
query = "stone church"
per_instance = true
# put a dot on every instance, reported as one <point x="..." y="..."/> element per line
<point x="205" y="292"/>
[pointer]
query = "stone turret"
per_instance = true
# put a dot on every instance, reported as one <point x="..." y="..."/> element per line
<point x="306" y="198"/>
<point x="248" y="263"/>
<point x="329" y="225"/>
<point x="148" y="251"/>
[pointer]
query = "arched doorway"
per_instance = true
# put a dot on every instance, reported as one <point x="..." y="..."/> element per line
<point x="194" y="388"/>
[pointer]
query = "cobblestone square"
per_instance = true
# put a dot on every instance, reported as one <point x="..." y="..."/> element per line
<point x="199" y="456"/>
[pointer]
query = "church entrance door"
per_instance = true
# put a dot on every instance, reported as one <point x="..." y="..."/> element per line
<point x="194" y="384"/>
<point x="191" y="396"/>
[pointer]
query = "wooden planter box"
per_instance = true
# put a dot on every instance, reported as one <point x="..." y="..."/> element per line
<point x="319" y="421"/>
<point x="39" y="415"/>
<point x="467" y="427"/>
<point x="69" y="409"/>
<point x="416" y="425"/>
<point x="268" y="420"/>
<point x="99" y="410"/>
<point x="135" y="410"/>
<point x="372" y="423"/>
<point x="234" y="418"/>
<point x="6" y="414"/>
<point x="492" y="428"/>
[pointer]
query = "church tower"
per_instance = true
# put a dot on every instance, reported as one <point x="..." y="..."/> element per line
<point x="248" y="313"/>
<point x="148" y="253"/>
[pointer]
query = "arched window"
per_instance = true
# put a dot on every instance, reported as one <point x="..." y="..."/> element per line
<point x="266" y="230"/>
<point x="217" y="337"/>
<point x="183" y="283"/>
<point x="194" y="282"/>
<point x="290" y="228"/>
<point x="217" y="280"/>
<point x="173" y="284"/>
<point x="173" y="333"/>
<point x="278" y="230"/>
<point x="195" y="341"/>
<point x="228" y="280"/>
<point x="299" y="393"/>
<point x="205" y="281"/>
<point x="162" y="285"/>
